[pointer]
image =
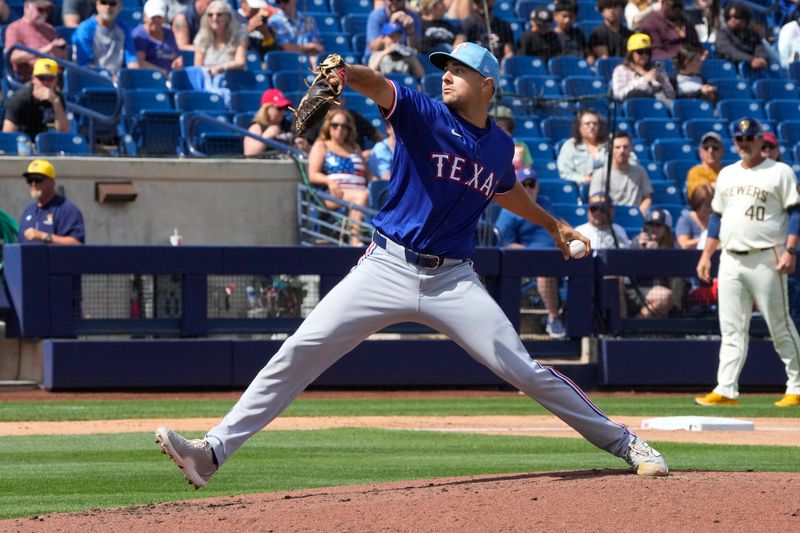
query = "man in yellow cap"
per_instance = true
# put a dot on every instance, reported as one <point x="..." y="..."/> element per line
<point x="33" y="31"/>
<point x="50" y="218"/>
<point x="38" y="106"/>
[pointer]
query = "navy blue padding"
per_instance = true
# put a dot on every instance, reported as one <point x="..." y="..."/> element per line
<point x="142" y="79"/>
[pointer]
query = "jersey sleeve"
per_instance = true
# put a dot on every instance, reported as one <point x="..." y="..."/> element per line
<point x="717" y="202"/>
<point x="410" y="110"/>
<point x="71" y="223"/>
<point x="789" y="186"/>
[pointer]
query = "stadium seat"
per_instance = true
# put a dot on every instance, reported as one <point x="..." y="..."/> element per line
<point x="208" y="137"/>
<point x="10" y="141"/>
<point x="142" y="79"/>
<point x="685" y="109"/>
<point x="540" y="147"/>
<point x="280" y="60"/>
<point x="575" y="215"/>
<point x="654" y="170"/>
<point x="506" y="83"/>
<point x="424" y="61"/>
<point x="289" y="81"/>
<point x="245" y="101"/>
<point x="666" y="192"/>
<point x="130" y="16"/>
<point x="789" y="131"/>
<point x="563" y="66"/>
<point x="504" y="9"/>
<point x="536" y="86"/>
<point x="61" y="143"/>
<point x="677" y="169"/>
<point x="624" y="124"/>
<point x="523" y="8"/>
<point x="336" y="43"/>
<point x="351" y="6"/>
<point x="378" y="193"/>
<point x="695" y="128"/>
<point x="353" y="23"/>
<point x="527" y="127"/>
<point x="606" y="65"/>
<point x="243" y="119"/>
<point x="584" y="85"/>
<point x="359" y="44"/>
<point x="557" y="128"/>
<point x="239" y="80"/>
<point x="773" y="71"/>
<point x="521" y="65"/>
<point x="718" y="68"/>
<point x="779" y="109"/>
<point x="253" y="62"/>
<point x="559" y="191"/>
<point x="732" y="88"/>
<point x="639" y="108"/>
<point x="734" y="108"/>
<point x="641" y="149"/>
<point x="546" y="169"/>
<point x="771" y="89"/>
<point x="179" y="80"/>
<point x="666" y="64"/>
<point x="650" y="129"/>
<point x="136" y="100"/>
<point x="432" y="85"/>
<point x="666" y="149"/>
<point x="198" y="101"/>
<point x="794" y="70"/>
<point x="406" y="80"/>
<point x="628" y="216"/>
<point x="318" y="6"/>
<point x="154" y="133"/>
<point x="326" y="22"/>
<point x="675" y="209"/>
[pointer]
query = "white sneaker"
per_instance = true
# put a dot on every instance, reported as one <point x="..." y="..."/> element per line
<point x="644" y="460"/>
<point x="193" y="457"/>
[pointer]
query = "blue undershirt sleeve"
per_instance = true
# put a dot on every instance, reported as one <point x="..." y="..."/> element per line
<point x="714" y="224"/>
<point x="794" y="220"/>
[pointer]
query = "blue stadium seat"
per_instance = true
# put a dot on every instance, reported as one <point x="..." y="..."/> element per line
<point x="179" y="80"/>
<point x="734" y="108"/>
<point x="688" y="108"/>
<point x="666" y="149"/>
<point x="424" y="61"/>
<point x="559" y="191"/>
<point x="130" y="16"/>
<point x="280" y="60"/>
<point x="587" y="26"/>
<point x="353" y="23"/>
<point x="406" y="80"/>
<point x="650" y="129"/>
<point x="718" y="68"/>
<point x="773" y="71"/>
<point x="642" y="149"/>
<point x="537" y="86"/>
<point x="584" y="85"/>
<point x="771" y="89"/>
<point x="732" y="88"/>
<point x="61" y="143"/>
<point x="546" y="169"/>
<point x="794" y="70"/>
<point x="626" y="125"/>
<point x="245" y="101"/>
<point x="669" y="68"/>
<point x="432" y="84"/>
<point x="674" y="209"/>
<point x="351" y="6"/>
<point x="789" y="131"/>
<point x="188" y="58"/>
<point x="695" y="128"/>
<point x="358" y="102"/>
<point x="63" y="32"/>
<point x="654" y="170"/>
<point x="563" y="66"/>
<point x="527" y="126"/>
<point x="326" y="21"/>
<point x="239" y="80"/>
<point x="628" y="216"/>
<point x="605" y="66"/>
<point x="318" y="6"/>
<point x="210" y="138"/>
<point x="575" y="215"/>
<point x="135" y="100"/>
<point x="677" y="169"/>
<point x="779" y="109"/>
<point x="253" y="62"/>
<point x="557" y="128"/>
<point x="666" y="192"/>
<point x="154" y="133"/>
<point x="289" y="81"/>
<point x="639" y="108"/>
<point x="142" y="79"/>
<point x="540" y="147"/>
<point x="378" y="193"/>
<point x="504" y="9"/>
<point x="523" y="8"/>
<point x="336" y="42"/>
<point x="10" y="141"/>
<point x="521" y="65"/>
<point x="198" y="101"/>
<point x="243" y="119"/>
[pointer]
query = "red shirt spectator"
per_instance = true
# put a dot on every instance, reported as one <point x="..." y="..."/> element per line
<point x="32" y="31"/>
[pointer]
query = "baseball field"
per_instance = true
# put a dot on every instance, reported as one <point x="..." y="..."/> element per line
<point x="391" y="461"/>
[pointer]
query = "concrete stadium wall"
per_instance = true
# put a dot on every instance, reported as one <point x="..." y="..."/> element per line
<point x="209" y="201"/>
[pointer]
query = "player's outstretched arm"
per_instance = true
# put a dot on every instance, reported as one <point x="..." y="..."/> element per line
<point x="371" y="84"/>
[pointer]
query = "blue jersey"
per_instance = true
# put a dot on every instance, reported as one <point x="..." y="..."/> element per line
<point x="444" y="173"/>
<point x="58" y="217"/>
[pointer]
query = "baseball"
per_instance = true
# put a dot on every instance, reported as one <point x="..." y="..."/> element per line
<point x="577" y="249"/>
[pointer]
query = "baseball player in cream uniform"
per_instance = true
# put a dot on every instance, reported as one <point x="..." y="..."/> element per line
<point x="756" y="220"/>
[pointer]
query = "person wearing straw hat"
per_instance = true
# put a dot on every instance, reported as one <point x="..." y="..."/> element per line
<point x="38" y="106"/>
<point x="50" y="218"/>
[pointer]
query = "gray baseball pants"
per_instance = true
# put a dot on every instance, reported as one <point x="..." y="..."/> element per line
<point x="384" y="289"/>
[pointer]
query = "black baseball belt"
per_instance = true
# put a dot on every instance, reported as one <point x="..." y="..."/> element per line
<point x="748" y="252"/>
<point x="428" y="261"/>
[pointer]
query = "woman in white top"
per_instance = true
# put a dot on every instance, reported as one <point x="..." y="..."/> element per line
<point x="585" y="151"/>
<point x="639" y="75"/>
<point x="221" y="42"/>
<point x="638" y="10"/>
<point x="789" y="43"/>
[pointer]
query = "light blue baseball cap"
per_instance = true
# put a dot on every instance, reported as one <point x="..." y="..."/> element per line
<point x="472" y="55"/>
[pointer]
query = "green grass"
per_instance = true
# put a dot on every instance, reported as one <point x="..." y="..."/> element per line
<point x="43" y="474"/>
<point x="751" y="406"/>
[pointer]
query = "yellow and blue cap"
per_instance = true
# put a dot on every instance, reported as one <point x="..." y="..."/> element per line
<point x="472" y="55"/>
<point x="747" y="126"/>
<point x="40" y="168"/>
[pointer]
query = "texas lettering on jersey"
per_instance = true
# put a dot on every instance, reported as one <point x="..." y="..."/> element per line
<point x="451" y="167"/>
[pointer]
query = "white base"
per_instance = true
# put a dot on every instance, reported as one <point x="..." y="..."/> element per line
<point x="698" y="423"/>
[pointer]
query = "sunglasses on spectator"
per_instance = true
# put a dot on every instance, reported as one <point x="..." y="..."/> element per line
<point x="598" y="208"/>
<point x="744" y="138"/>
<point x="216" y="15"/>
<point x="111" y="3"/>
<point x="530" y="184"/>
<point x="734" y="16"/>
<point x="337" y="125"/>
<point x="590" y="123"/>
<point x="44" y="9"/>
<point x="31" y="180"/>
<point x="712" y="147"/>
<point x="644" y="51"/>
<point x="654" y="225"/>
<point x="769" y="146"/>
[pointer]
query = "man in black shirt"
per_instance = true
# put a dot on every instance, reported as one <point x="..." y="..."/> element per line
<point x="541" y="41"/>
<point x="571" y="39"/>
<point x="38" y="106"/>
<point x="473" y="29"/>
<point x="438" y="34"/>
<point x="610" y="38"/>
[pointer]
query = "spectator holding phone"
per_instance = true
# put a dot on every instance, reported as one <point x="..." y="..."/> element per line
<point x="33" y="31"/>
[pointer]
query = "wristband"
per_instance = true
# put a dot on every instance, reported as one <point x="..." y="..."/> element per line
<point x="791" y="251"/>
<point x="48" y="238"/>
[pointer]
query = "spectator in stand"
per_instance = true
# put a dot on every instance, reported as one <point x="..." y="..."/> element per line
<point x="519" y="233"/>
<point x="270" y="122"/>
<point x="38" y="106"/>
<point x="397" y="12"/>
<point x="638" y="10"/>
<point x="655" y="297"/>
<point x="438" y="34"/>
<point x="771" y="148"/>
<point x="630" y="184"/>
<point x="706" y="17"/>
<point x="4" y="11"/>
<point x="585" y="151"/>
<point x="393" y="56"/>
<point x="688" y="81"/>
<point x="294" y="31"/>
<point x="154" y="41"/>
<point x="103" y="42"/>
<point x="711" y="151"/>
<point x="186" y="23"/>
<point x="381" y="155"/>
<point x="639" y="75"/>
<point x="221" y="43"/>
<point x="255" y="15"/>
<point x="473" y="29"/>
<point x="50" y="218"/>
<point x="73" y="12"/>
<point x="691" y="227"/>
<point x="610" y="38"/>
<point x="571" y="38"/>
<point x="541" y="40"/>
<point x="33" y="31"/>
<point x="599" y="229"/>
<point x="336" y="161"/>
<point x="504" y="118"/>
<point x="668" y="30"/>
<point x="738" y="41"/>
<point x="789" y="42"/>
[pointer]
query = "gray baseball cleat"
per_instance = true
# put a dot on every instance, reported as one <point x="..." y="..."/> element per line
<point x="193" y="457"/>
<point x="644" y="460"/>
